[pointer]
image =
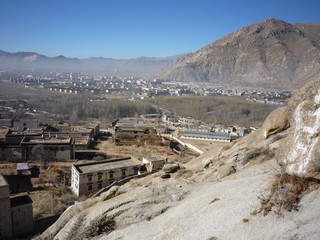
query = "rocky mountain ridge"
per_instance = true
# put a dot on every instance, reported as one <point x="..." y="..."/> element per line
<point x="271" y="53"/>
<point x="142" y="66"/>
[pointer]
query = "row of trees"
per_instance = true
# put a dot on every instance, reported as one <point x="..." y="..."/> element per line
<point x="211" y="109"/>
<point x="216" y="109"/>
<point x="74" y="107"/>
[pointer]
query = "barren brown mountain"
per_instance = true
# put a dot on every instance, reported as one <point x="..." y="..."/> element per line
<point x="272" y="53"/>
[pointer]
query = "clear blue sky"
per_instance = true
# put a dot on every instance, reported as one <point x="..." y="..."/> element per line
<point x="133" y="28"/>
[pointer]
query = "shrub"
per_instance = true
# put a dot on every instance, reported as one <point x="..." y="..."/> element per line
<point x="285" y="193"/>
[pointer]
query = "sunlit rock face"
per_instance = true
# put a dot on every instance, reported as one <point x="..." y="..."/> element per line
<point x="300" y="154"/>
<point x="271" y="53"/>
<point x="276" y="122"/>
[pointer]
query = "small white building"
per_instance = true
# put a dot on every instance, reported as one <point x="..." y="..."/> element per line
<point x="153" y="164"/>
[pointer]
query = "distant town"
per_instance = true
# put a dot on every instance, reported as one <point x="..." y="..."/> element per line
<point x="139" y="88"/>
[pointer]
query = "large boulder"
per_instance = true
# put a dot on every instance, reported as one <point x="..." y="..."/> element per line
<point x="276" y="122"/>
<point x="171" y="167"/>
<point x="300" y="154"/>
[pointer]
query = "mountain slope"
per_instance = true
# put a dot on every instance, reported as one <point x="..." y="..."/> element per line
<point x="143" y="66"/>
<point x="222" y="200"/>
<point x="271" y="53"/>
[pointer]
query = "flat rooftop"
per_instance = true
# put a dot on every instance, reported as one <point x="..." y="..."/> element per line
<point x="209" y="135"/>
<point x="33" y="132"/>
<point x="127" y="122"/>
<point x="107" y="165"/>
<point x="33" y="141"/>
<point x="80" y="129"/>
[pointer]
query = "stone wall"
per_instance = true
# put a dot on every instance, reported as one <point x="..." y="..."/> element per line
<point x="5" y="214"/>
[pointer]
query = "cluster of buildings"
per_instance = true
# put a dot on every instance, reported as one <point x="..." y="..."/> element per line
<point x="75" y="83"/>
<point x="128" y="130"/>
<point x="27" y="139"/>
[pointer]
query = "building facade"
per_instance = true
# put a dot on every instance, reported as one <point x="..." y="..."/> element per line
<point x="152" y="164"/>
<point x="208" y="136"/>
<point x="56" y="148"/>
<point x="129" y="130"/>
<point x="5" y="213"/>
<point x="91" y="177"/>
<point x="16" y="214"/>
<point x="21" y="215"/>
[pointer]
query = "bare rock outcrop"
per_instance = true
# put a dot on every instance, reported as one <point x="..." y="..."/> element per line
<point x="261" y="145"/>
<point x="137" y="201"/>
<point x="300" y="154"/>
<point x="291" y="134"/>
<point x="170" y="167"/>
<point x="276" y="122"/>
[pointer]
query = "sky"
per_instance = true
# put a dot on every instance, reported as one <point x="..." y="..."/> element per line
<point x="133" y="28"/>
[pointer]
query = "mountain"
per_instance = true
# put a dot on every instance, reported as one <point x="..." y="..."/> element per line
<point x="262" y="186"/>
<point x="142" y="66"/>
<point x="272" y="53"/>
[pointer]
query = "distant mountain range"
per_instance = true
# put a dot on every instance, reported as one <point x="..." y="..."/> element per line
<point x="142" y="66"/>
<point x="272" y="53"/>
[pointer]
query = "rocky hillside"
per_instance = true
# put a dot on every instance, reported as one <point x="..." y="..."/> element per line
<point x="272" y="53"/>
<point x="243" y="191"/>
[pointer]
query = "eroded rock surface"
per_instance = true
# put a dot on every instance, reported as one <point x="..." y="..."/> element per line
<point x="131" y="203"/>
<point x="301" y="152"/>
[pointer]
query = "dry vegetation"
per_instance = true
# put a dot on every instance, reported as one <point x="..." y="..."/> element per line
<point x="75" y="106"/>
<point x="285" y="194"/>
<point x="225" y="110"/>
<point x="43" y="188"/>
<point x="72" y="107"/>
<point x="47" y="187"/>
<point x="160" y="151"/>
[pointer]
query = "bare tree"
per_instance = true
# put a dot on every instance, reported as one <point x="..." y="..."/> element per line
<point x="42" y="154"/>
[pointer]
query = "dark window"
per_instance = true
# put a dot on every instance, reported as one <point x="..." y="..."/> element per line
<point x="99" y="176"/>
<point x="99" y="186"/>
<point x="123" y="171"/>
<point x="111" y="175"/>
<point x="62" y="148"/>
<point x="89" y="187"/>
<point x="89" y="178"/>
